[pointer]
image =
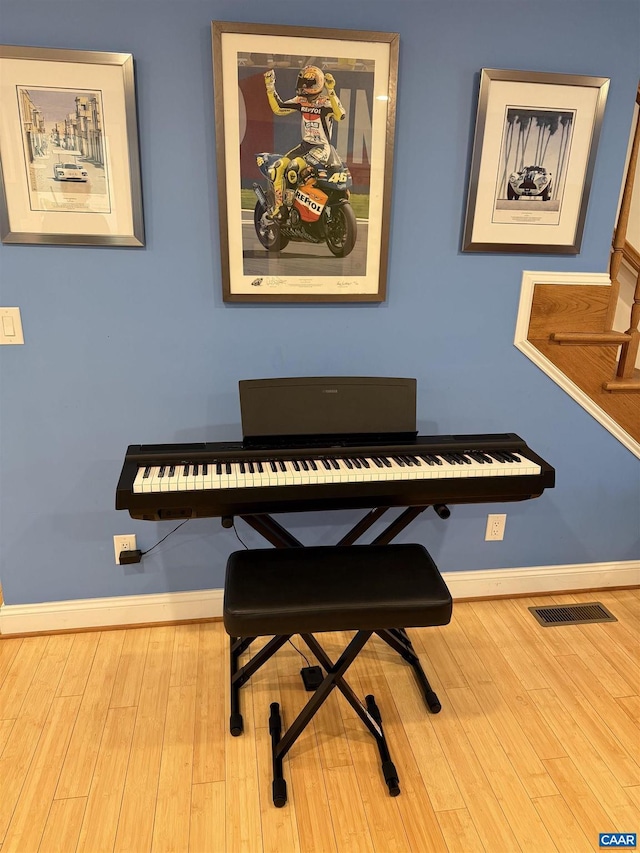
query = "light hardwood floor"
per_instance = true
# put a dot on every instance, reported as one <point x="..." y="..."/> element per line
<point x="118" y="741"/>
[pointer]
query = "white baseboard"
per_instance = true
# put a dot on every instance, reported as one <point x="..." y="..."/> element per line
<point x="109" y="612"/>
<point x="99" y="613"/>
<point x="488" y="583"/>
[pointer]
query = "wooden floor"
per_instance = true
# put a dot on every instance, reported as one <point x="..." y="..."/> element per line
<point x="117" y="741"/>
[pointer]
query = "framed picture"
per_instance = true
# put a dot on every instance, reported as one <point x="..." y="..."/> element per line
<point x="304" y="141"/>
<point x="69" y="160"/>
<point x="534" y="152"/>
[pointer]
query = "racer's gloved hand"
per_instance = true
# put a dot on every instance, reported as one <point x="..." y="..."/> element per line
<point x="329" y="82"/>
<point x="270" y="80"/>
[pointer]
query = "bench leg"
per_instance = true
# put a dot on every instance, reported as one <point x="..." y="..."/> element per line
<point x="242" y="675"/>
<point x="399" y="640"/>
<point x="370" y="715"/>
<point x="388" y="767"/>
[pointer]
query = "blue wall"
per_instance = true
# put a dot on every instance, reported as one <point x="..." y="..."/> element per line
<point x="136" y="345"/>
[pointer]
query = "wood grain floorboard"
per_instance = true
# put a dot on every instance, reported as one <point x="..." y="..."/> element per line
<point x="119" y="741"/>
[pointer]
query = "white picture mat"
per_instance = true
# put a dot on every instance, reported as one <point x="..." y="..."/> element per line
<point x="67" y="75"/>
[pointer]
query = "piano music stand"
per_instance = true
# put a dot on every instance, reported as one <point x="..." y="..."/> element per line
<point x="396" y="638"/>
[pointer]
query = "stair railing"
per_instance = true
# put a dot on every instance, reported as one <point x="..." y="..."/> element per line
<point x="622" y="249"/>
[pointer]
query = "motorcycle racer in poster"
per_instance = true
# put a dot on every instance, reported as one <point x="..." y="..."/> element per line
<point x="317" y="112"/>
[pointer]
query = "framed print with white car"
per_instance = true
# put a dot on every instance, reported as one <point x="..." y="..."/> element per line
<point x="69" y="160"/>
<point x="304" y="142"/>
<point x="534" y="153"/>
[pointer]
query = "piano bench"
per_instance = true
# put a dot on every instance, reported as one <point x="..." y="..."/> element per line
<point x="363" y="588"/>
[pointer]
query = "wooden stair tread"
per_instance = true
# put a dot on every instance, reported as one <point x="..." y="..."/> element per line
<point x="591" y="338"/>
<point x="618" y="384"/>
<point x="589" y="368"/>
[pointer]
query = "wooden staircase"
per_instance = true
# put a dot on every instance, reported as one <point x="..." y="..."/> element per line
<point x="579" y="313"/>
<point x="626" y="377"/>
<point x="572" y="327"/>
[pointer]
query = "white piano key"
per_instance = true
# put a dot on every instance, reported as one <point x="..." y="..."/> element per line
<point x="290" y="472"/>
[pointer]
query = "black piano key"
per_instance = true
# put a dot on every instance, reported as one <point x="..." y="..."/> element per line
<point x="304" y="465"/>
<point x="283" y="467"/>
<point x="251" y="467"/>
<point x="205" y="469"/>
<point x="196" y="470"/>
<point x="296" y="465"/>
<point x="377" y="462"/>
<point x="398" y="461"/>
<point x="335" y="464"/>
<point x="161" y="471"/>
<point x="326" y="464"/>
<point x="219" y="469"/>
<point x="356" y="463"/>
<point x="365" y="463"/>
<point x="172" y="471"/>
<point x="147" y="471"/>
<point x="274" y="467"/>
<point x="348" y="463"/>
<point x="314" y="466"/>
<point x="228" y="467"/>
<point x="431" y="459"/>
<point x="242" y="468"/>
<point x="385" y="461"/>
<point x="260" y="468"/>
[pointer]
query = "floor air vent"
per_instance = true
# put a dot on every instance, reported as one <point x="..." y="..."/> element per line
<point x="572" y="614"/>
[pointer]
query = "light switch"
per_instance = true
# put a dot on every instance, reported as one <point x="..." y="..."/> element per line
<point x="10" y="326"/>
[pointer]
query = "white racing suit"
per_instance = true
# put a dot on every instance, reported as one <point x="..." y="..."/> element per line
<point x="317" y="118"/>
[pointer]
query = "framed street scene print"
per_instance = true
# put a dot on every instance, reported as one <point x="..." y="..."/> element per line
<point x="69" y="161"/>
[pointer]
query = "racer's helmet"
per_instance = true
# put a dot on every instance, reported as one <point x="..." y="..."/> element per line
<point x="310" y="81"/>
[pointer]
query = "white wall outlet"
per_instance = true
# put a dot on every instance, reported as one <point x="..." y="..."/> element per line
<point x="123" y="543"/>
<point x="495" y="527"/>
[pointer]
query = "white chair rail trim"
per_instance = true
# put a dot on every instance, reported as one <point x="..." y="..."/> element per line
<point x="96" y="613"/>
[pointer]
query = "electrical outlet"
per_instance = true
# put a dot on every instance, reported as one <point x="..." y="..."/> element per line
<point x="123" y="543"/>
<point x="495" y="527"/>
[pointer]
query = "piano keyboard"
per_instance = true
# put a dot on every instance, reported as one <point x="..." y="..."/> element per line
<point x="247" y="474"/>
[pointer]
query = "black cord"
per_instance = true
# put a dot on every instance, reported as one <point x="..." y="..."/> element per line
<point x="238" y="536"/>
<point x="142" y="553"/>
<point x="300" y="653"/>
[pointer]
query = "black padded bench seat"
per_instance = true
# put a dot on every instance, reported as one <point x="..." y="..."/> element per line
<point x="311" y="590"/>
<point x="368" y="589"/>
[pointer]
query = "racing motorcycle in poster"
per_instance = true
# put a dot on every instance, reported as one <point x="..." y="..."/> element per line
<point x="318" y="208"/>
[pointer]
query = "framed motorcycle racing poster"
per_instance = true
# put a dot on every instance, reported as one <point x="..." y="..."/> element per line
<point x="304" y="140"/>
<point x="534" y="153"/>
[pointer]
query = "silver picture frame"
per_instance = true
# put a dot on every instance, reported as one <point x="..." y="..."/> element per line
<point x="69" y="154"/>
<point x="534" y="152"/>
